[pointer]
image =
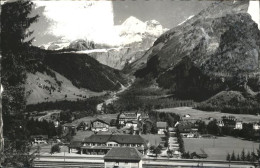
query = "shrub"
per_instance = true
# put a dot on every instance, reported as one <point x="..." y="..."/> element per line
<point x="55" y="149"/>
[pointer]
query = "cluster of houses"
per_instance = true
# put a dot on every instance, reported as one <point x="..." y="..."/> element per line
<point x="128" y="120"/>
<point x="231" y="122"/>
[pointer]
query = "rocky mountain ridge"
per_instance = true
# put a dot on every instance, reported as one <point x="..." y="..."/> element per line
<point x="217" y="49"/>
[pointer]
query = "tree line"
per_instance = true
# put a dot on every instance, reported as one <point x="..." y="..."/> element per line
<point x="243" y="156"/>
<point x="247" y="132"/>
<point x="88" y="105"/>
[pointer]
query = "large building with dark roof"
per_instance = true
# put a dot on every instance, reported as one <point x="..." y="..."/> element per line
<point x="126" y="157"/>
<point x="100" y="144"/>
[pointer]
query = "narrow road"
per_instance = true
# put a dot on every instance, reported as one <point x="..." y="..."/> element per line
<point x="112" y="98"/>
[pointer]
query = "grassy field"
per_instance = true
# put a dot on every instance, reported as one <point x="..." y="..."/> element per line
<point x="36" y="82"/>
<point x="152" y="139"/>
<point x="204" y="115"/>
<point x="81" y="135"/>
<point x="217" y="149"/>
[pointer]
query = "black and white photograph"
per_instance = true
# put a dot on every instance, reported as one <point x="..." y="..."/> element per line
<point x="130" y="84"/>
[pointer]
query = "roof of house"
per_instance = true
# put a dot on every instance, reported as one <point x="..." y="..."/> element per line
<point x="106" y="121"/>
<point x="39" y="136"/>
<point x="148" y="120"/>
<point x="128" y="115"/>
<point x="123" y="153"/>
<point x="119" y="138"/>
<point x="185" y="127"/>
<point x="75" y="144"/>
<point x="132" y="121"/>
<point x="70" y="125"/>
<point x="161" y="124"/>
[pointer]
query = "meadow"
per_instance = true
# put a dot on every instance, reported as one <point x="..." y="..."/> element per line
<point x="217" y="149"/>
<point x="205" y="115"/>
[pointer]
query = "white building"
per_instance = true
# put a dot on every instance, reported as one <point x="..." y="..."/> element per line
<point x="256" y="126"/>
<point x="239" y="125"/>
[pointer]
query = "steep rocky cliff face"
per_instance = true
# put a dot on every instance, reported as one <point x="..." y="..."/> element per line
<point x="216" y="50"/>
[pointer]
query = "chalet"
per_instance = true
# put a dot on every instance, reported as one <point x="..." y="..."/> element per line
<point x="83" y="126"/>
<point x="232" y="122"/>
<point x="239" y="125"/>
<point x="74" y="147"/>
<point x="228" y="118"/>
<point x="100" y="144"/>
<point x="161" y="126"/>
<point x="126" y="157"/>
<point x="132" y="116"/>
<point x="131" y="124"/>
<point x="184" y="127"/>
<point x="100" y="125"/>
<point x="39" y="139"/>
<point x="220" y="123"/>
<point x="70" y="126"/>
<point x="256" y="126"/>
<point x="124" y="117"/>
<point x="142" y="116"/>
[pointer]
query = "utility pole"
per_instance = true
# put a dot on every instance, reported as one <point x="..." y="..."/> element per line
<point x="64" y="158"/>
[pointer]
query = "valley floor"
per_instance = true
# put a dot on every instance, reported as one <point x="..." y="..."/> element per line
<point x="205" y="115"/>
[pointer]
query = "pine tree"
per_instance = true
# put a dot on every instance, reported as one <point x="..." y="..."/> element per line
<point x="253" y="158"/>
<point x="243" y="155"/>
<point x="238" y="158"/>
<point x="15" y="42"/>
<point x="248" y="156"/>
<point x="228" y="157"/>
<point x="233" y="157"/>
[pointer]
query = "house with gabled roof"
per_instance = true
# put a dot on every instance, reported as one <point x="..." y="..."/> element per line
<point x="161" y="126"/>
<point x="126" y="157"/>
<point x="74" y="147"/>
<point x="100" y="125"/>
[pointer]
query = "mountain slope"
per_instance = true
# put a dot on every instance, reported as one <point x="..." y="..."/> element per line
<point x="84" y="71"/>
<point x="44" y="87"/>
<point x="216" y="50"/>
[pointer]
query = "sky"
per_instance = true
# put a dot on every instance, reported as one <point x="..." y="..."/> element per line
<point x="96" y="20"/>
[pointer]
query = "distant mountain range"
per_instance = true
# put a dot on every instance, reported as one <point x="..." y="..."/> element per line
<point x="135" y="38"/>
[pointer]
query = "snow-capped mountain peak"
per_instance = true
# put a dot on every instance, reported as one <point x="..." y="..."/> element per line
<point x="132" y="21"/>
<point x="133" y="30"/>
